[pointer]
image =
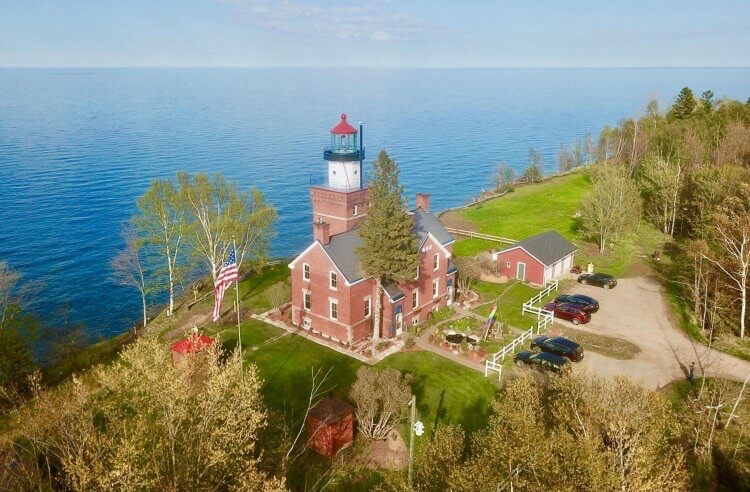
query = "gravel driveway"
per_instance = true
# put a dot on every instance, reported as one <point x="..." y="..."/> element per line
<point x="637" y="311"/>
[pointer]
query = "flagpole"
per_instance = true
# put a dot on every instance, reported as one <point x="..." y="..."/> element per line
<point x="237" y="291"/>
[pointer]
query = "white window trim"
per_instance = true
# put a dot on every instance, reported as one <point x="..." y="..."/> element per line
<point x="435" y="262"/>
<point x="306" y="266"/>
<point x="355" y="211"/>
<point x="331" y="275"/>
<point x="436" y="288"/>
<point x="304" y="294"/>
<point x="415" y="321"/>
<point x="417" y="277"/>
<point x="331" y="303"/>
<point x="368" y="306"/>
<point x="414" y="299"/>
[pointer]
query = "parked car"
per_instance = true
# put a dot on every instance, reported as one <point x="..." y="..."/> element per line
<point x="571" y="312"/>
<point x="564" y="347"/>
<point x="543" y="361"/>
<point x="598" y="279"/>
<point x="589" y="304"/>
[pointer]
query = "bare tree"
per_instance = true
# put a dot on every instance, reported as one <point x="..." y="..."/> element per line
<point x="129" y="267"/>
<point x="382" y="399"/>
<point x="469" y="272"/>
<point x="320" y="386"/>
<point x="731" y="233"/>
<point x="661" y="180"/>
<point x="277" y="295"/>
<point x="504" y="176"/>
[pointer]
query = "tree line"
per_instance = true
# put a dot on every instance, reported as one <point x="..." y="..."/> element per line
<point x="687" y="171"/>
<point x="187" y="226"/>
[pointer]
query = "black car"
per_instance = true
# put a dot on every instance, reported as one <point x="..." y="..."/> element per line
<point x="543" y="361"/>
<point x="564" y="347"/>
<point x="588" y="304"/>
<point x="598" y="279"/>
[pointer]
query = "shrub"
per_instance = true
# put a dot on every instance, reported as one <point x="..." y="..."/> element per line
<point x="409" y="342"/>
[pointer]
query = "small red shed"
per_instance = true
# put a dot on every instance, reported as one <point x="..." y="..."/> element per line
<point x="537" y="259"/>
<point x="190" y="345"/>
<point x="330" y="426"/>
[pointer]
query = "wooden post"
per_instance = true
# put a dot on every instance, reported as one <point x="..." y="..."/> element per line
<point x="411" y="436"/>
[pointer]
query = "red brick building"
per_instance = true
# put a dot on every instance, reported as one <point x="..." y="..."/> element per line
<point x="330" y="294"/>
<point x="537" y="259"/>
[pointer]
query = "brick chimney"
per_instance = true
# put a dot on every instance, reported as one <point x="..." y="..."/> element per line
<point x="322" y="232"/>
<point x="423" y="201"/>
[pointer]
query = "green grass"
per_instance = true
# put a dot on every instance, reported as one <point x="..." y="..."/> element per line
<point x="527" y="211"/>
<point x="514" y="294"/>
<point x="615" y="348"/>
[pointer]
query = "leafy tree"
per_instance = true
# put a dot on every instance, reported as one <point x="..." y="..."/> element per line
<point x="149" y="423"/>
<point x="504" y="176"/>
<point x="382" y="400"/>
<point x="161" y="219"/>
<point x="684" y="106"/>
<point x="613" y="207"/>
<point x="18" y="330"/>
<point x="217" y="212"/>
<point x="661" y="181"/>
<point x="130" y="268"/>
<point x="389" y="246"/>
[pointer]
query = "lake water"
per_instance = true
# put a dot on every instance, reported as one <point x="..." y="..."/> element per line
<point x="78" y="146"/>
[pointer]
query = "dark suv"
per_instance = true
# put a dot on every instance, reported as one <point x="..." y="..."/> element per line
<point x="598" y="279"/>
<point x="564" y="347"/>
<point x="543" y="361"/>
<point x="588" y="304"/>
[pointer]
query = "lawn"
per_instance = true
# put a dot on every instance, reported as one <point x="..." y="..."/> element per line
<point x="527" y="211"/>
<point x="445" y="390"/>
<point x="514" y="294"/>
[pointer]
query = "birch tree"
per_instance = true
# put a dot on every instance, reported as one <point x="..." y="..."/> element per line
<point x="613" y="207"/>
<point x="217" y="213"/>
<point x="661" y="180"/>
<point x="162" y="220"/>
<point x="389" y="246"/>
<point x="731" y="235"/>
<point x="129" y="266"/>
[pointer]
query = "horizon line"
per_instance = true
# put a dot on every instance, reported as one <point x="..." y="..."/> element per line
<point x="359" y="67"/>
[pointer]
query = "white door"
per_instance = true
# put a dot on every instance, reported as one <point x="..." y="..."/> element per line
<point x="399" y="323"/>
<point x="521" y="271"/>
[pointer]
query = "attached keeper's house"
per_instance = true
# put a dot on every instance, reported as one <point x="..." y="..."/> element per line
<point x="537" y="259"/>
<point x="331" y="296"/>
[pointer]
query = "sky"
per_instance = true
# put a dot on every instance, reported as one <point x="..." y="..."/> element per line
<point x="374" y="33"/>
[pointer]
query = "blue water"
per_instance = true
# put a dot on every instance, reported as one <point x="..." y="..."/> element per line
<point x="78" y="146"/>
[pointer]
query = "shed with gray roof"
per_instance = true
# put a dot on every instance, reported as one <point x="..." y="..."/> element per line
<point x="537" y="259"/>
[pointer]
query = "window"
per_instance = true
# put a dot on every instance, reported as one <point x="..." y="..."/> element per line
<point x="308" y="301"/>
<point x="305" y="271"/>
<point x="334" y="280"/>
<point x="435" y="261"/>
<point x="415" y="299"/>
<point x="435" y="285"/>
<point x="354" y="212"/>
<point x="507" y="264"/>
<point x="417" y="277"/>
<point x="306" y="323"/>
<point x="334" y="310"/>
<point x="367" y="307"/>
<point x="415" y="321"/>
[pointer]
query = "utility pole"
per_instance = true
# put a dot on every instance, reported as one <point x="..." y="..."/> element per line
<point x="411" y="435"/>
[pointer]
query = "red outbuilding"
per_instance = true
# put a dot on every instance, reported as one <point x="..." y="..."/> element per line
<point x="330" y="426"/>
<point x="537" y="259"/>
<point x="190" y="345"/>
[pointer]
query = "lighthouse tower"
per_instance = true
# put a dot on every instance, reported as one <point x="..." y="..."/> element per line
<point x="341" y="202"/>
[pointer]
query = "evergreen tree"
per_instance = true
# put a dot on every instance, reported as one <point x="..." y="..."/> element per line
<point x="683" y="106"/>
<point x="707" y="101"/>
<point x="389" y="247"/>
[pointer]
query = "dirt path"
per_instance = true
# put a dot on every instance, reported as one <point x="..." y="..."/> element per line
<point x="637" y="311"/>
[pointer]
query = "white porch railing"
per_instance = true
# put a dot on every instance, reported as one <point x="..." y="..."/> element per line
<point x="544" y="319"/>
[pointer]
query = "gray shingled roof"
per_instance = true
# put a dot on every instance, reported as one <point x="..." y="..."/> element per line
<point x="342" y="248"/>
<point x="548" y="247"/>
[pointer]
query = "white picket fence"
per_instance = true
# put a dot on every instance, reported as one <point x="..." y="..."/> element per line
<point x="544" y="319"/>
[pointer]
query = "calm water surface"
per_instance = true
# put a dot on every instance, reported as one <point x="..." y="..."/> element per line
<point x="78" y="146"/>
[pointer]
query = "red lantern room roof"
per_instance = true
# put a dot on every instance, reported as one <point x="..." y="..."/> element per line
<point x="192" y="345"/>
<point x="343" y="128"/>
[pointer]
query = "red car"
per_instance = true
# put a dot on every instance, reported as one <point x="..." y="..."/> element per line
<point x="571" y="312"/>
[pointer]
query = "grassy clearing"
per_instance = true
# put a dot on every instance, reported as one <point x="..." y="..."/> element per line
<point x="513" y="295"/>
<point x="601" y="344"/>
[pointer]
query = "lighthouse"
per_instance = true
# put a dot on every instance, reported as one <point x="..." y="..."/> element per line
<point x="341" y="202"/>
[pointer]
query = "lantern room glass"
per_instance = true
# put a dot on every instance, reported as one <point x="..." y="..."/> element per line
<point x="344" y="144"/>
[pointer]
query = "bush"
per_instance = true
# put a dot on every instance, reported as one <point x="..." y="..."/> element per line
<point x="409" y="342"/>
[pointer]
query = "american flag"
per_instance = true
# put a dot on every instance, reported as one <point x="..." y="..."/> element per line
<point x="227" y="275"/>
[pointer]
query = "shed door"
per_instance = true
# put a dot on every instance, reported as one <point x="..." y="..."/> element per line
<point x="521" y="271"/>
